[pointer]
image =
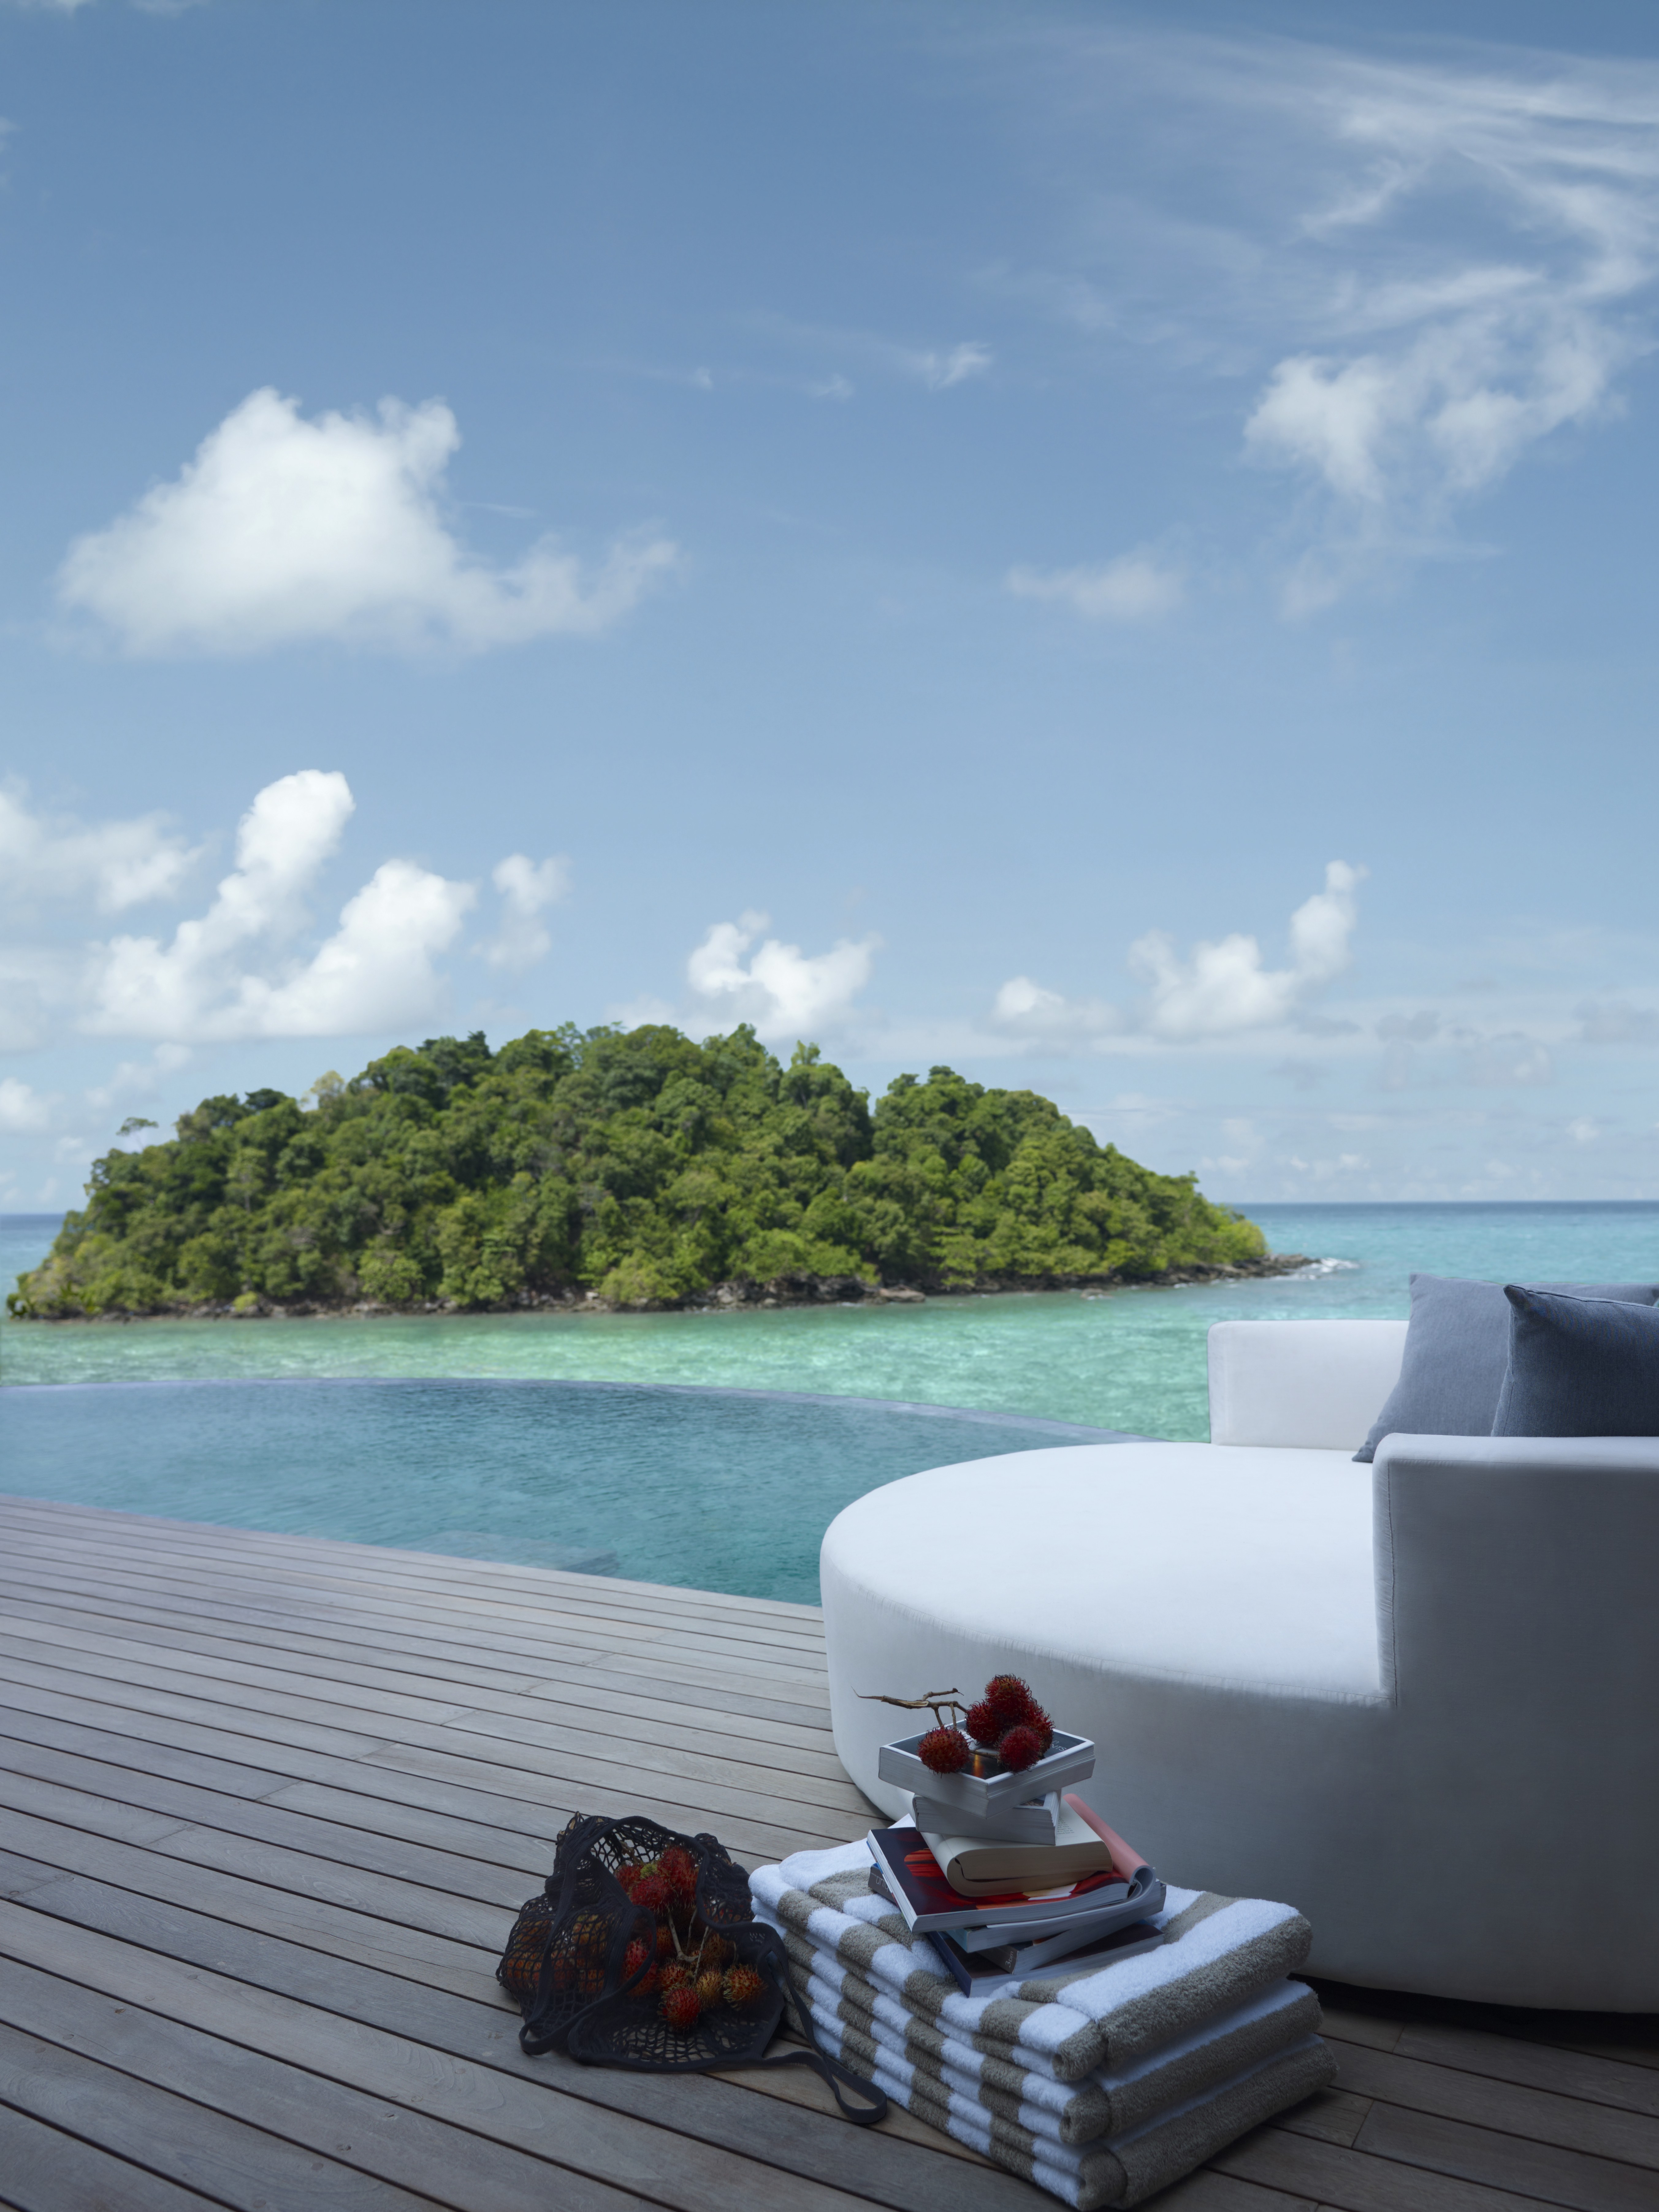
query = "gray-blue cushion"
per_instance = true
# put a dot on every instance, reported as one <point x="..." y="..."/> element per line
<point x="1457" y="1348"/>
<point x="1578" y="1367"/>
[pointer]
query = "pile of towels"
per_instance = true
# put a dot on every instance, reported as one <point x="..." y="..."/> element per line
<point x="1101" y="2086"/>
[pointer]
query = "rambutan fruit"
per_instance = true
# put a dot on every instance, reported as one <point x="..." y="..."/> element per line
<point x="636" y="1956"/>
<point x="1021" y="1747"/>
<point x="675" y="1972"/>
<point x="1039" y="1720"/>
<point x="665" y="1943"/>
<point x="653" y="1892"/>
<point x="944" y="1751"/>
<point x="627" y="1874"/>
<point x="679" y="1871"/>
<point x="708" y="1988"/>
<point x="984" y="1724"/>
<point x="743" y="1985"/>
<point x="716" y="1951"/>
<point x="1009" y="1698"/>
<point x="680" y="2008"/>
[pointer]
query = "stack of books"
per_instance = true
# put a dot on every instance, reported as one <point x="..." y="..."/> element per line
<point x="1009" y="1873"/>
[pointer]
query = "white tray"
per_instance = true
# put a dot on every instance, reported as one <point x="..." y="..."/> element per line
<point x="1069" y="1759"/>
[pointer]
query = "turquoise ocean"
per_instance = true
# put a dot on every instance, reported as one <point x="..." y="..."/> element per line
<point x="540" y="1436"/>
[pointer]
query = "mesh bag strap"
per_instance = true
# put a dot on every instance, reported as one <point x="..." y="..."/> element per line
<point x="862" y="2115"/>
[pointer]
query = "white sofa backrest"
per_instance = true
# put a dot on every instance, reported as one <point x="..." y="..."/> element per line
<point x="1319" y="1384"/>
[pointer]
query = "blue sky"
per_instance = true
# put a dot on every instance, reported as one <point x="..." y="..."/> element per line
<point x="1110" y="548"/>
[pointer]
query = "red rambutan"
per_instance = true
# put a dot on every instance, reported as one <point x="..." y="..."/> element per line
<point x="627" y="1874"/>
<point x="1009" y="1698"/>
<point x="675" y="1972"/>
<point x="636" y="1956"/>
<point x="653" y="1892"/>
<point x="985" y="1724"/>
<point x="1037" y="1719"/>
<point x="1021" y="1747"/>
<point x="679" y="2008"/>
<point x="665" y="1943"/>
<point x="679" y="1871"/>
<point x="944" y="1751"/>
<point x="708" y="1988"/>
<point x="742" y="1985"/>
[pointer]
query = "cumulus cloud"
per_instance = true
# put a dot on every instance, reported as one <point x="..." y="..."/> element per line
<point x="282" y="530"/>
<point x="224" y="975"/>
<point x="22" y="1109"/>
<point x="1223" y="988"/>
<point x="1132" y="588"/>
<point x="527" y="889"/>
<point x="1027" y="1009"/>
<point x="115" y="864"/>
<point x="784" y="993"/>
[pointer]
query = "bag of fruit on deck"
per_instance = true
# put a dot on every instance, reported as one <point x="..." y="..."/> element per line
<point x="642" y="1950"/>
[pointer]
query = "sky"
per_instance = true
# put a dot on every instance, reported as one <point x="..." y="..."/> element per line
<point x="1108" y="548"/>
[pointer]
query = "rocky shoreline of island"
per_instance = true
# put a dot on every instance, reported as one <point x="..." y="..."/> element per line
<point x="743" y="1294"/>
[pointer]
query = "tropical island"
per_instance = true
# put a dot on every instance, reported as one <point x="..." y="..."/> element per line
<point x="605" y="1169"/>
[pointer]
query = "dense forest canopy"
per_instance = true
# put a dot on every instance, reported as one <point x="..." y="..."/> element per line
<point x="638" y="1166"/>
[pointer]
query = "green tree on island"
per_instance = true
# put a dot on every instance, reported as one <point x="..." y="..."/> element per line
<point x="638" y="1166"/>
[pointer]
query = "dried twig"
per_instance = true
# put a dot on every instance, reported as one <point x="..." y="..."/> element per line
<point x="932" y="1701"/>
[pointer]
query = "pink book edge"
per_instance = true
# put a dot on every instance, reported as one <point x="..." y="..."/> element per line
<point x="1127" y="1862"/>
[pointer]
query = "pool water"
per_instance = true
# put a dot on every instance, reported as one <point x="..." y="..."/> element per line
<point x="723" y="1490"/>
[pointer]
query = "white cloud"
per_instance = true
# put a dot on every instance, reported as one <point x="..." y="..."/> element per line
<point x="116" y="863"/>
<point x="1025" y="1008"/>
<point x="1223" y="988"/>
<point x="22" y="1109"/>
<point x="1132" y="588"/>
<point x="782" y="991"/>
<point x="1583" y="1131"/>
<point x="527" y="888"/>
<point x="940" y="371"/>
<point x="1472" y="278"/>
<point x="282" y="530"/>
<point x="213" y="979"/>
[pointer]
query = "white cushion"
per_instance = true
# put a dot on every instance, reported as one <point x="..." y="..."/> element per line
<point x="1156" y="1559"/>
<point x="1314" y="1384"/>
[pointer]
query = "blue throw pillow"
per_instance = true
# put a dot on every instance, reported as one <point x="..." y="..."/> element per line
<point x="1579" y="1367"/>
<point x="1458" y="1347"/>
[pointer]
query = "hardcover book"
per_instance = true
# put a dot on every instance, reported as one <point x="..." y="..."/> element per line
<point x="917" y="1886"/>
<point x="995" y="1973"/>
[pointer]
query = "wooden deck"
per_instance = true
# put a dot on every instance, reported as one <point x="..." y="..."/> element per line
<point x="267" y="1805"/>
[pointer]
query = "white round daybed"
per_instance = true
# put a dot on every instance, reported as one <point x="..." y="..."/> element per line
<point x="1418" y="1700"/>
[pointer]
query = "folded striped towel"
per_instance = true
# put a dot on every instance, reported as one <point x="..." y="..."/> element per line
<point x="1217" y="1953"/>
<point x="1121" y="2170"/>
<point x="1073" y="2115"/>
<point x="1101" y="2084"/>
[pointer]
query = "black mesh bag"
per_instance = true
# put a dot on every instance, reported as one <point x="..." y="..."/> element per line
<point x="631" y="1919"/>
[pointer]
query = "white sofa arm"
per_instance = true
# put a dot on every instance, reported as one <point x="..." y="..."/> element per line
<point x="1318" y="1384"/>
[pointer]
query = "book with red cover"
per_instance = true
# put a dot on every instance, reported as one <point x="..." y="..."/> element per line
<point x="911" y="1876"/>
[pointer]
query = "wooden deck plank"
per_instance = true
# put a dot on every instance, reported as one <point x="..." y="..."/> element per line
<point x="477" y="1602"/>
<point x="792" y="1747"/>
<point x="483" y="1761"/>
<point x="266" y="1806"/>
<point x="216" y="2154"/>
<point x="526" y="1807"/>
<point x="279" y="1686"/>
<point x="370" y="2030"/>
<point x="44" y="2170"/>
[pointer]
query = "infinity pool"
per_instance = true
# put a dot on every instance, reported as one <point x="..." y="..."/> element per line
<point x="723" y="1490"/>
